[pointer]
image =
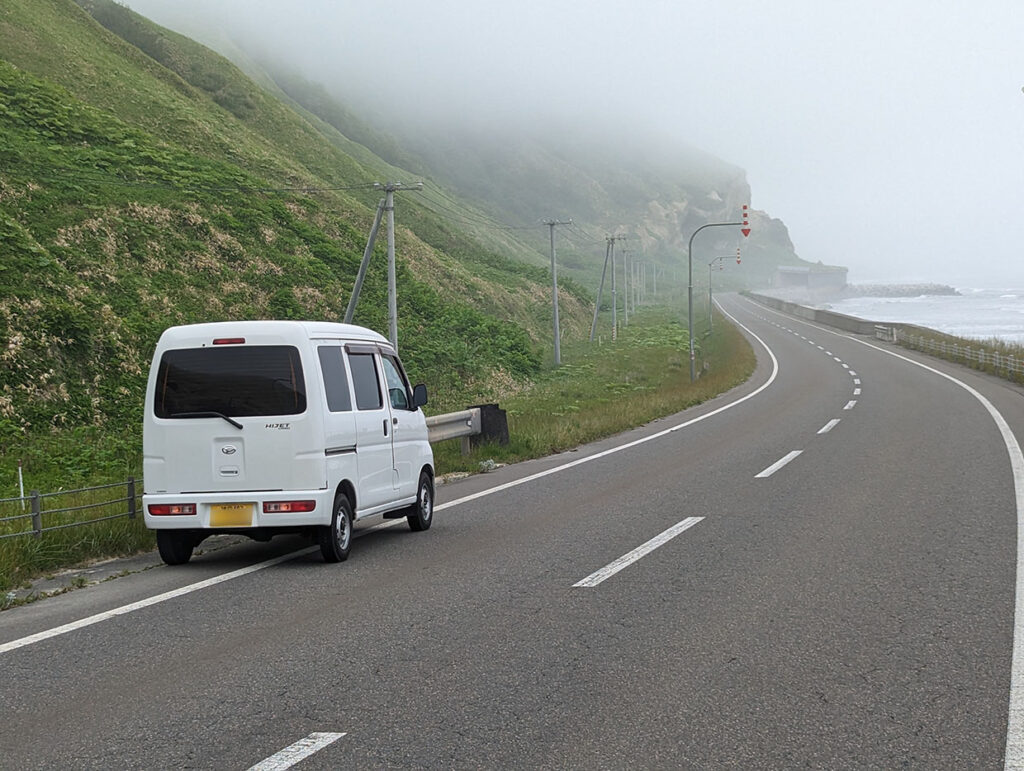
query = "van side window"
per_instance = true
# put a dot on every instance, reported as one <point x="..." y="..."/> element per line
<point x="365" y="381"/>
<point x="335" y="380"/>
<point x="398" y="389"/>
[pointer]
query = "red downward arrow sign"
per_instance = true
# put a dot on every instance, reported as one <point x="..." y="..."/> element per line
<point x="745" y="231"/>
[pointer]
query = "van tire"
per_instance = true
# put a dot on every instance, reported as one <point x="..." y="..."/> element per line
<point x="336" y="539"/>
<point x="421" y="513"/>
<point x="175" y="546"/>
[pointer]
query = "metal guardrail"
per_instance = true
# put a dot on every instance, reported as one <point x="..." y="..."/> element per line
<point x="885" y="334"/>
<point x="41" y="519"/>
<point x="453" y="425"/>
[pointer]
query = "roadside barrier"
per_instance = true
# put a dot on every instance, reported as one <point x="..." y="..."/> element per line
<point x="39" y="517"/>
<point x="979" y="356"/>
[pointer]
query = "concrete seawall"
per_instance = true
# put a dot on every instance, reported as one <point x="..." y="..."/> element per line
<point x="829" y="318"/>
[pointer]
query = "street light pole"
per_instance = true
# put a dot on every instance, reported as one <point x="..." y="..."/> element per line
<point x="689" y="286"/>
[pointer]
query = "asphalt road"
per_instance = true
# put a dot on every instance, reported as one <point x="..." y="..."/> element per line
<point x="827" y="594"/>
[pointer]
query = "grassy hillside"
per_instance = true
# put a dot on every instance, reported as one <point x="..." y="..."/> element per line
<point x="135" y="195"/>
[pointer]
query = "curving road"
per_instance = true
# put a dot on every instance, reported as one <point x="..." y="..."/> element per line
<point x="815" y="569"/>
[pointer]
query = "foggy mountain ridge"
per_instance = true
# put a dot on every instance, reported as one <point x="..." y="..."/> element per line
<point x="523" y="169"/>
<point x="135" y="195"/>
<point x="640" y="182"/>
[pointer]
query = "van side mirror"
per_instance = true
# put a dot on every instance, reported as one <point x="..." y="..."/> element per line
<point x="419" y="395"/>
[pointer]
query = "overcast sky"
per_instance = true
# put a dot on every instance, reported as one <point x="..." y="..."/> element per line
<point x="888" y="135"/>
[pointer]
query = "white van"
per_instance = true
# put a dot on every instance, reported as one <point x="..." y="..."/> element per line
<point x="267" y="427"/>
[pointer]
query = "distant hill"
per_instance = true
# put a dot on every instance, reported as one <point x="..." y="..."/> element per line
<point x="138" y="192"/>
<point x="147" y="181"/>
<point x="641" y="182"/>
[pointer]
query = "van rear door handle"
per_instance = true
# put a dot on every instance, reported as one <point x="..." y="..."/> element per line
<point x="385" y="428"/>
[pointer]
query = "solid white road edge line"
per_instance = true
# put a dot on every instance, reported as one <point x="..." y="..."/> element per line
<point x="636" y="442"/>
<point x="70" y="627"/>
<point x="829" y="426"/>
<point x="778" y="464"/>
<point x="640" y="551"/>
<point x="299" y="751"/>
<point x="95" y="619"/>
<point x="1013" y="758"/>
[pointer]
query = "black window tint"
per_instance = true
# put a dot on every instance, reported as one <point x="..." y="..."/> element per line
<point x="237" y="381"/>
<point x="335" y="382"/>
<point x="364" y="380"/>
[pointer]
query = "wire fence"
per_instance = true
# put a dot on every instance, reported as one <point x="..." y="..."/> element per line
<point x="47" y="512"/>
<point x="979" y="356"/>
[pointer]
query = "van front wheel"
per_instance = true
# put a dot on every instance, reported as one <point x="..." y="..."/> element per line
<point x="175" y="546"/>
<point x="421" y="513"/>
<point x="336" y="539"/>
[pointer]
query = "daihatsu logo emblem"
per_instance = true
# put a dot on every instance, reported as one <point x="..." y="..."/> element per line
<point x="229" y="449"/>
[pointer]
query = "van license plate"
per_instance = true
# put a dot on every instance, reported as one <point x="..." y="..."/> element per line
<point x="231" y="514"/>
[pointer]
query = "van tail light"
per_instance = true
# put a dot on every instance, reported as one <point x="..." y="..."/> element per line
<point x="229" y="341"/>
<point x="282" y="507"/>
<point x="171" y="509"/>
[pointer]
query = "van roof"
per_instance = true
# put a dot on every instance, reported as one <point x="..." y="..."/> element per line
<point x="306" y="329"/>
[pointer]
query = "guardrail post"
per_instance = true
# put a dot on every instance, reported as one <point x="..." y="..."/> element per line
<point x="493" y="425"/>
<point x="37" y="514"/>
<point x="131" y="497"/>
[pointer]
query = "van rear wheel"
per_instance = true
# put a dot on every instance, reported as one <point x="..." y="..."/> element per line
<point x="336" y="539"/>
<point x="421" y="513"/>
<point x="175" y="546"/>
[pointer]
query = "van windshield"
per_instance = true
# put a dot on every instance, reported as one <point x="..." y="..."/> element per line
<point x="238" y="381"/>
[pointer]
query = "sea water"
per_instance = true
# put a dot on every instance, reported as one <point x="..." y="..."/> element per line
<point x="979" y="314"/>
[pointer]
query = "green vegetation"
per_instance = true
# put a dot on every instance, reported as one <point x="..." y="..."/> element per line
<point x="604" y="390"/>
<point x="146" y="181"/>
<point x="25" y="557"/>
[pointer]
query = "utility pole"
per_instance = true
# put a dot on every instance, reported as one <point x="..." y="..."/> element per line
<point x="386" y="205"/>
<point x="600" y="288"/>
<point x="625" y="287"/>
<point x="554" y="287"/>
<point x="615" y="301"/>
<point x="354" y="299"/>
<point x="629" y="285"/>
<point x="609" y="256"/>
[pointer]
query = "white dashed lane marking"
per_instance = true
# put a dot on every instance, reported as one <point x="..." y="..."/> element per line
<point x="778" y="464"/>
<point x="297" y="752"/>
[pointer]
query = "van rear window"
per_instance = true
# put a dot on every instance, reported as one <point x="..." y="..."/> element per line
<point x="237" y="381"/>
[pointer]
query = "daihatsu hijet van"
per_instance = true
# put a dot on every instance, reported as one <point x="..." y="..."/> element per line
<point x="267" y="427"/>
